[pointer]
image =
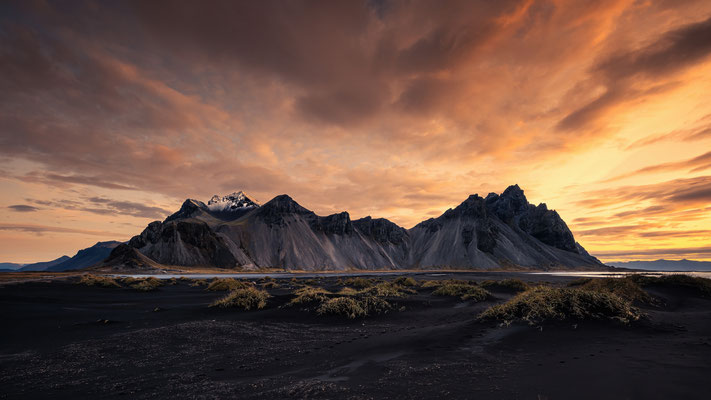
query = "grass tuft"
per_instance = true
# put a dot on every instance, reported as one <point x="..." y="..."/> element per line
<point x="99" y="280"/>
<point x="700" y="285"/>
<point x="222" y="284"/>
<point x="246" y="299"/>
<point x="347" y="291"/>
<point x="625" y="288"/>
<point x="147" y="284"/>
<point x="388" y="289"/>
<point x="542" y="304"/>
<point x="357" y="282"/>
<point x="463" y="291"/>
<point x="406" y="281"/>
<point x="344" y="306"/>
<point x="309" y="294"/>
<point x="271" y="285"/>
<point x="513" y="285"/>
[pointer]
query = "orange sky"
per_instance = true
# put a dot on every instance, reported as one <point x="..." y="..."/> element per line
<point x="112" y="113"/>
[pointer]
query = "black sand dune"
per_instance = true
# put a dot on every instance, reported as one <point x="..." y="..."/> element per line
<point x="61" y="340"/>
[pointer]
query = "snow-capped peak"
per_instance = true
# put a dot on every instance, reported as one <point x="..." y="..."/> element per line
<point x="231" y="202"/>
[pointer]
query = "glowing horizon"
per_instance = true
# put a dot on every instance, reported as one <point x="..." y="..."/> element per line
<point x="113" y="114"/>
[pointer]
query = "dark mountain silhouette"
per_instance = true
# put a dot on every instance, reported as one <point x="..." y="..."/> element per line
<point x="42" y="266"/>
<point x="481" y="233"/>
<point x="666" y="265"/>
<point x="86" y="257"/>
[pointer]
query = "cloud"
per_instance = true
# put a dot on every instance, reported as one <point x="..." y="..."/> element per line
<point x="701" y="131"/>
<point x="700" y="252"/>
<point x="105" y="206"/>
<point x="628" y="75"/>
<point x="695" y="164"/>
<point x="128" y="208"/>
<point x="42" y="229"/>
<point x="23" y="208"/>
<point x="684" y="192"/>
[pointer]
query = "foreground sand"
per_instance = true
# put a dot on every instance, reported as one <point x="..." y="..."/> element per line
<point x="62" y="340"/>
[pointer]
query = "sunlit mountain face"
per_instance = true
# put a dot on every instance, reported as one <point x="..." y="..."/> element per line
<point x="113" y="113"/>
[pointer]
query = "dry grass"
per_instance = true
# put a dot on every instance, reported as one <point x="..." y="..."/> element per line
<point x="246" y="299"/>
<point x="346" y="291"/>
<point x="147" y="284"/>
<point x="374" y="305"/>
<point x="129" y="280"/>
<point x="199" y="282"/>
<point x="354" y="307"/>
<point x="99" y="280"/>
<point x="625" y="288"/>
<point x="309" y="294"/>
<point x="463" y="291"/>
<point x="439" y="282"/>
<point x="406" y="281"/>
<point x="699" y="285"/>
<point x="542" y="304"/>
<point x="388" y="289"/>
<point x="513" y="285"/>
<point x="357" y="282"/>
<point x="345" y="306"/>
<point x="222" y="284"/>
<point x="271" y="285"/>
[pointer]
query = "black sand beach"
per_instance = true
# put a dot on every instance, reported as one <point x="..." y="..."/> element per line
<point x="63" y="340"/>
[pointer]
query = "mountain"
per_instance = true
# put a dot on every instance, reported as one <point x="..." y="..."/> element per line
<point x="234" y="231"/>
<point x="666" y="265"/>
<point x="125" y="258"/>
<point x="499" y="230"/>
<point x="5" y="267"/>
<point x="86" y="257"/>
<point x="41" y="266"/>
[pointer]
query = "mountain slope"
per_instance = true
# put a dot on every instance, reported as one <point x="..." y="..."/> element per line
<point x="41" y="266"/>
<point x="86" y="257"/>
<point x="497" y="231"/>
<point x="481" y="233"/>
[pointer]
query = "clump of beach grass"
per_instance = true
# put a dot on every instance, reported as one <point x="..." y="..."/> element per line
<point x="222" y="284"/>
<point x="513" y="285"/>
<point x="344" y="306"/>
<point x="354" y="307"/>
<point x="388" y="289"/>
<point x="357" y="282"/>
<point x="541" y="304"/>
<point x="147" y="284"/>
<point x="463" y="291"/>
<point x="249" y="298"/>
<point x="348" y="291"/>
<point x="625" y="288"/>
<point x="405" y="281"/>
<point x="199" y="282"/>
<point x="99" y="280"/>
<point x="697" y="284"/>
<point x="271" y="285"/>
<point x="309" y="294"/>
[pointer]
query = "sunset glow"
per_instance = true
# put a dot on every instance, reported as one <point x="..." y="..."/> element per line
<point x="113" y="113"/>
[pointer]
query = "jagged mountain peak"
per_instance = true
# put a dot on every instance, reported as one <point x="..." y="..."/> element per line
<point x="231" y="202"/>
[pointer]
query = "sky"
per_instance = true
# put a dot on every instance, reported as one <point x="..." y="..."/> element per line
<point x="112" y="113"/>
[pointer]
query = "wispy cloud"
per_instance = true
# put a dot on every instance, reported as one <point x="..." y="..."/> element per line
<point x="42" y="229"/>
<point x="23" y="208"/>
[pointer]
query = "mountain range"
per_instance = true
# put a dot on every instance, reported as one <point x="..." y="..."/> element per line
<point x="666" y="265"/>
<point x="83" y="259"/>
<point x="235" y="232"/>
